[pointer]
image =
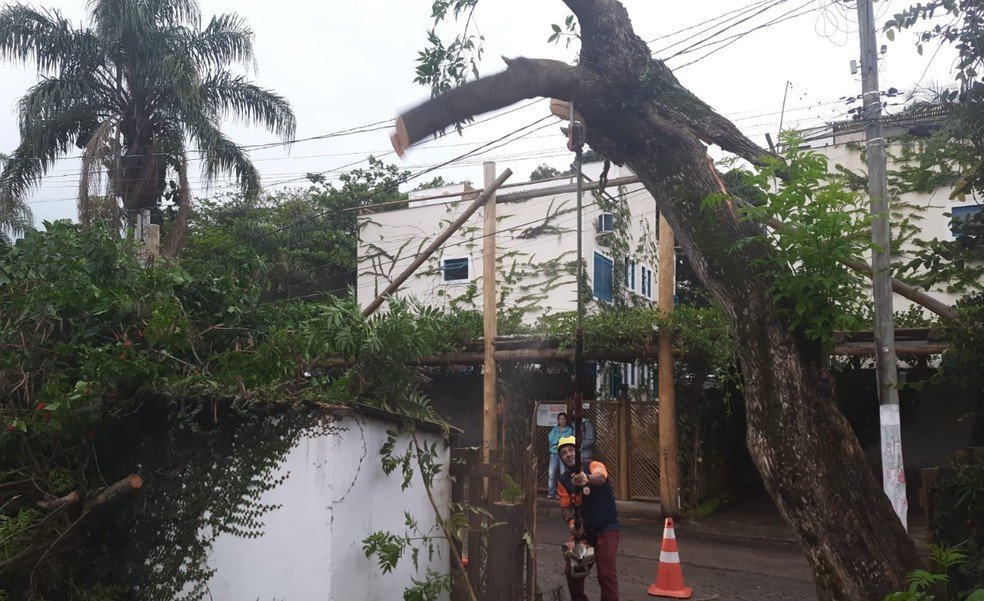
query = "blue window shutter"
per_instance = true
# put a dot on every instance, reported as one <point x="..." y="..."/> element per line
<point x="604" y="269"/>
<point x="960" y="214"/>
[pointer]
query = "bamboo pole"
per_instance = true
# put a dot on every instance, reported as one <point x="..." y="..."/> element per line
<point x="669" y="478"/>
<point x="441" y="239"/>
<point x="490" y="414"/>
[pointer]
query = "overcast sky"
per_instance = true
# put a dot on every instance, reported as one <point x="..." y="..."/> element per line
<point x="348" y="64"/>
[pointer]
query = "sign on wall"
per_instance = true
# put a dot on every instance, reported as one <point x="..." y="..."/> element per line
<point x="546" y="412"/>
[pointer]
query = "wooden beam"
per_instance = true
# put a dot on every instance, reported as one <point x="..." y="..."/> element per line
<point x="490" y="415"/>
<point x="528" y="194"/>
<point x="433" y="246"/>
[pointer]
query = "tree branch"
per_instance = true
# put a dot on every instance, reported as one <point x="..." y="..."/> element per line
<point x="523" y="78"/>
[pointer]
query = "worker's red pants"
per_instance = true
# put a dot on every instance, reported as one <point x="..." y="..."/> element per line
<point x="606" y="548"/>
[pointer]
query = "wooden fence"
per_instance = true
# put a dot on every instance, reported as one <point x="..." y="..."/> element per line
<point x="627" y="442"/>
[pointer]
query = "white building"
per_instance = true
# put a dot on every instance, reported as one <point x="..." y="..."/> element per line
<point x="843" y="144"/>
<point x="536" y="246"/>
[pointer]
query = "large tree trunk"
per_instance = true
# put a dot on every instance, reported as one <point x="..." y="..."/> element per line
<point x="639" y="115"/>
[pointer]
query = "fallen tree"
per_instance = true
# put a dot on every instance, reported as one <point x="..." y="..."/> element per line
<point x="639" y="115"/>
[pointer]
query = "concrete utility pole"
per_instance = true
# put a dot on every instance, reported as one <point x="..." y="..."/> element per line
<point x="669" y="477"/>
<point x="893" y="474"/>
<point x="490" y="409"/>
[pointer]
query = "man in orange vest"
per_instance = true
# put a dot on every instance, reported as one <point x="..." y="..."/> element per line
<point x="590" y="490"/>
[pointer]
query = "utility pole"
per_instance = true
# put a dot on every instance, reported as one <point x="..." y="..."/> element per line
<point x="893" y="474"/>
<point x="669" y="477"/>
<point x="490" y="408"/>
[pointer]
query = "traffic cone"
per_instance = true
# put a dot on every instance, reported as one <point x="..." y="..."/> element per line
<point x="669" y="576"/>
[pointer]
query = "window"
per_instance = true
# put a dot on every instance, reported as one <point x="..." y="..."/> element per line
<point x="959" y="215"/>
<point x="455" y="269"/>
<point x="615" y="380"/>
<point x="630" y="369"/>
<point x="646" y="281"/>
<point x="606" y="222"/>
<point x="630" y="276"/>
<point x="604" y="269"/>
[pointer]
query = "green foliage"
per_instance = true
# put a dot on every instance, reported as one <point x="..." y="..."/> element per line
<point x="708" y="507"/>
<point x="957" y="265"/>
<point x="965" y="360"/>
<point x="959" y="24"/>
<point x="569" y="32"/>
<point x="429" y="589"/>
<point x="826" y="226"/>
<point x="957" y="511"/>
<point x="443" y="67"/>
<point x="932" y="586"/>
<point x="544" y="171"/>
<point x="15" y="532"/>
<point x="306" y="238"/>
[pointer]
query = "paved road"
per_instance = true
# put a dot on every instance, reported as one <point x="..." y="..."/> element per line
<point x="716" y="567"/>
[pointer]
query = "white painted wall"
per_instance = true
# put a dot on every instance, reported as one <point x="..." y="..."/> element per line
<point x="334" y="496"/>
<point x="390" y="240"/>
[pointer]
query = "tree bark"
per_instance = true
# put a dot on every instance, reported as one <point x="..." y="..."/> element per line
<point x="639" y="115"/>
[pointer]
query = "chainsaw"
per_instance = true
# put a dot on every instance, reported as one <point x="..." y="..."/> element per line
<point x="579" y="555"/>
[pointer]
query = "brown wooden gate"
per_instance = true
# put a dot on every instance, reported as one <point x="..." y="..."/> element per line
<point x="627" y="443"/>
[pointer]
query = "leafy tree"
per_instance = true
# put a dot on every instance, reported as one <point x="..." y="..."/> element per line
<point x="544" y="171"/>
<point x="954" y="154"/>
<point x="307" y="238"/>
<point x="639" y="115"/>
<point x="136" y="90"/>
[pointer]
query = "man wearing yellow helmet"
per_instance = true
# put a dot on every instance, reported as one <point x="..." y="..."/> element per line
<point x="589" y="489"/>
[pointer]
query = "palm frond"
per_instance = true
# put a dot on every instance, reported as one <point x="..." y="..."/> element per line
<point x="222" y="155"/>
<point x="42" y="143"/>
<point x="176" y="11"/>
<point x="15" y="214"/>
<point x="54" y="96"/>
<point x="234" y="96"/>
<point x="226" y="40"/>
<point x="43" y="37"/>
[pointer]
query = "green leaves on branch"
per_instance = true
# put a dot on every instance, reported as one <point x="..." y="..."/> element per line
<point x="825" y="225"/>
<point x="443" y="67"/>
<point x="569" y="32"/>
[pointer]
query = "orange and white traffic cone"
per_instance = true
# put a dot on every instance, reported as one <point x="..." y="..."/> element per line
<point x="669" y="575"/>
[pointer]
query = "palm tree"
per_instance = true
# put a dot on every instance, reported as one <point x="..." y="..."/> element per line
<point x="136" y="91"/>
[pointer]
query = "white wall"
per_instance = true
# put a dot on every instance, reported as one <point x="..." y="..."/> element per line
<point x="335" y="494"/>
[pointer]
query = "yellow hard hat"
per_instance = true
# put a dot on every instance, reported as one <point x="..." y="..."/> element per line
<point x="567" y="440"/>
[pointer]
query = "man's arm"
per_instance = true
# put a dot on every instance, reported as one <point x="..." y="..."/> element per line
<point x="597" y="477"/>
<point x="566" y="507"/>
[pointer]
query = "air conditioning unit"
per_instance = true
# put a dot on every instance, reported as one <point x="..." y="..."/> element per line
<point x="606" y="223"/>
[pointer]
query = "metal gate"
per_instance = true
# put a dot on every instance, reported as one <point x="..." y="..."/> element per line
<point x="627" y="442"/>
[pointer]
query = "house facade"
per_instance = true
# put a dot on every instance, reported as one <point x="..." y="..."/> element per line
<point x="536" y="248"/>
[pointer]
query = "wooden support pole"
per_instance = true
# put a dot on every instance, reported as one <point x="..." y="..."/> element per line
<point x="433" y="246"/>
<point x="490" y="413"/>
<point x="669" y="477"/>
<point x="624" y="434"/>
